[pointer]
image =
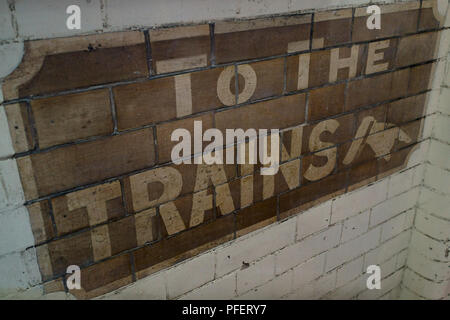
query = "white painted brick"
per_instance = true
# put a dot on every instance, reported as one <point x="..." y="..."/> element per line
<point x="5" y="22"/>
<point x="393" y="206"/>
<point x="6" y="148"/>
<point x="444" y="101"/>
<point x="429" y="247"/>
<point x="426" y="288"/>
<point x="401" y="259"/>
<point x="149" y="288"/>
<point x="352" y="249"/>
<point x="10" y="56"/>
<point x="309" y="270"/>
<point x="256" y="274"/>
<point x="307" y="248"/>
<point x="11" y="192"/>
<point x="433" y="270"/>
<point x="419" y="155"/>
<point x="433" y="226"/>
<point x="15" y="231"/>
<point x="439" y="154"/>
<point x="351" y="204"/>
<point x="220" y="289"/>
<point x="274" y="289"/>
<point x="387" y="249"/>
<point x="313" y="220"/>
<point x="437" y="178"/>
<point x="317" y="288"/>
<point x="349" y="290"/>
<point x="441" y="128"/>
<point x="349" y="271"/>
<point x="151" y="13"/>
<point x="19" y="271"/>
<point x="400" y="182"/>
<point x="434" y="203"/>
<point x="190" y="275"/>
<point x="397" y="225"/>
<point x="406" y="294"/>
<point x="47" y="19"/>
<point x="255" y="246"/>
<point x="419" y="172"/>
<point x="387" y="285"/>
<point x="355" y="226"/>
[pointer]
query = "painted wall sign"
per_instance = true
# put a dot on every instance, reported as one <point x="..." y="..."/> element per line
<point x="91" y="118"/>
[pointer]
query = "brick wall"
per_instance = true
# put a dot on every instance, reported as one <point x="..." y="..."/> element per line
<point x="87" y="120"/>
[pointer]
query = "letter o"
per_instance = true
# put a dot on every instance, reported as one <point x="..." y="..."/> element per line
<point x="223" y="84"/>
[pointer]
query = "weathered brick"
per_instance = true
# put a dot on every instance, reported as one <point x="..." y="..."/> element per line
<point x="69" y="63"/>
<point x="332" y="28"/>
<point x="162" y="254"/>
<point x="256" y="216"/>
<point x="153" y="187"/>
<point x="164" y="132"/>
<point x="180" y="48"/>
<point x="41" y="222"/>
<point x="327" y="133"/>
<point x="419" y="78"/>
<point x="393" y="162"/>
<point x="243" y="40"/>
<point x="19" y="127"/>
<point x="397" y="19"/>
<point x="104" y="277"/>
<point x="145" y="103"/>
<point x="427" y="18"/>
<point x="326" y="102"/>
<point x="88" y="207"/>
<point x="273" y="114"/>
<point x="405" y="110"/>
<point x="326" y="66"/>
<point x="415" y="49"/>
<point x="306" y="196"/>
<point x="187" y="211"/>
<point x="72" y="117"/>
<point x="68" y="167"/>
<point x="269" y="76"/>
<point x="376" y="89"/>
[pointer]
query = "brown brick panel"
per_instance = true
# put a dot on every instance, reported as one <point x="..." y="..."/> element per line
<point x="377" y="89"/>
<point x="105" y="277"/>
<point x="427" y="18"/>
<point x="306" y="196"/>
<point x="273" y="114"/>
<point x="260" y="38"/>
<point x="88" y="207"/>
<point x="41" y="221"/>
<point x="20" y="128"/>
<point x="182" y="246"/>
<point x="396" y="19"/>
<point x="97" y="163"/>
<point x="76" y="165"/>
<point x="72" y="117"/>
<point x="331" y="28"/>
<point x="156" y="186"/>
<point x="67" y="63"/>
<point x="165" y="130"/>
<point x="180" y="48"/>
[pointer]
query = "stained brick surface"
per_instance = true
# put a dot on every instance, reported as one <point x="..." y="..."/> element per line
<point x="95" y="163"/>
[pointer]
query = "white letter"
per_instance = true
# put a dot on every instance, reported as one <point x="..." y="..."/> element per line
<point x="215" y="147"/>
<point x="184" y="145"/>
<point x="374" y="280"/>
<point x="374" y="20"/>
<point x="274" y="158"/>
<point x="73" y="281"/>
<point x="74" y="20"/>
